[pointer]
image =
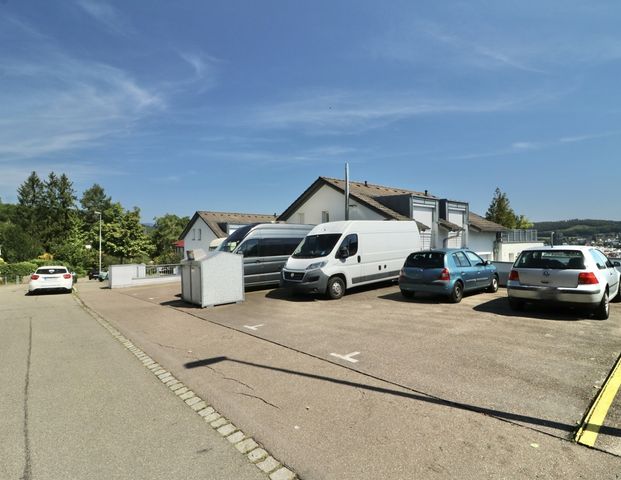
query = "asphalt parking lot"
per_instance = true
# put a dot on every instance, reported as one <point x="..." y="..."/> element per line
<point x="540" y="369"/>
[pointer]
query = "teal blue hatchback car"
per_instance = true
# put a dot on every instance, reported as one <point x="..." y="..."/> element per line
<point x="447" y="271"/>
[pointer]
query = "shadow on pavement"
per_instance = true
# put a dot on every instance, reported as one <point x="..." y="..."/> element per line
<point x="413" y="395"/>
<point x="418" y="298"/>
<point x="500" y="306"/>
<point x="289" y="295"/>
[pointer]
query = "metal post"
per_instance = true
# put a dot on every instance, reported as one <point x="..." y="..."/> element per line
<point x="99" y="213"/>
<point x="347" y="191"/>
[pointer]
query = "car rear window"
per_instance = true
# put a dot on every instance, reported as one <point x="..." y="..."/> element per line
<point x="425" y="260"/>
<point x="551" y="259"/>
<point x="51" y="271"/>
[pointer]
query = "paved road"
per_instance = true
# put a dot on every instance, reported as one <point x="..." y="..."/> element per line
<point x="75" y="404"/>
<point x="327" y="421"/>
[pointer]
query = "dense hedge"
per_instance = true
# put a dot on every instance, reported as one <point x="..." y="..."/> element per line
<point x="20" y="269"/>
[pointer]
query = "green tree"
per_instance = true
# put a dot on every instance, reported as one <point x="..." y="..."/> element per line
<point x="30" y="199"/>
<point x="59" y="202"/>
<point x="71" y="249"/>
<point x="165" y="232"/>
<point x="522" y="222"/>
<point x="500" y="210"/>
<point x="126" y="238"/>
<point x="94" y="199"/>
<point x="17" y="244"/>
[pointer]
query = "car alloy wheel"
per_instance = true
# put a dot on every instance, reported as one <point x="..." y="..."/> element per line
<point x="457" y="293"/>
<point x="603" y="310"/>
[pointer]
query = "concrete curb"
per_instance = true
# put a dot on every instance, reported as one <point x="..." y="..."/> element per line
<point x="245" y="445"/>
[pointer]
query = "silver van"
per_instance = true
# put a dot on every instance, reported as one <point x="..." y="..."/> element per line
<point x="265" y="247"/>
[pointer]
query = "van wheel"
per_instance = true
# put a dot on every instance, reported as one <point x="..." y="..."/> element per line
<point x="603" y="309"/>
<point x="493" y="287"/>
<point x="407" y="293"/>
<point x="457" y="293"/>
<point x="336" y="288"/>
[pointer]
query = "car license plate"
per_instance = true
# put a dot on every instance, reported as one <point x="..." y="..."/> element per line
<point x="547" y="293"/>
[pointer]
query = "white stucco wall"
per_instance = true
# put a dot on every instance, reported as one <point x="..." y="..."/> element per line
<point x="457" y="239"/>
<point x="508" y="252"/>
<point x="482" y="243"/>
<point x="326" y="199"/>
<point x="199" y="236"/>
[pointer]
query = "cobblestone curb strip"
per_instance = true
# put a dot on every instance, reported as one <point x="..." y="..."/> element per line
<point x="253" y="452"/>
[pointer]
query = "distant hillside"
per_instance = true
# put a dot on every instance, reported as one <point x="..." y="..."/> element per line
<point x="578" y="228"/>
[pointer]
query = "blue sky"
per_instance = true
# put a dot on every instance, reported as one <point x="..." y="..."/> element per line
<point x="240" y="105"/>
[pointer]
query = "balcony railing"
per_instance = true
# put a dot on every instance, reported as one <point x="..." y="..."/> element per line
<point x="519" y="236"/>
<point x="161" y="270"/>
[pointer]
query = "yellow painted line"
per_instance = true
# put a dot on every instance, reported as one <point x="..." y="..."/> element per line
<point x="587" y="435"/>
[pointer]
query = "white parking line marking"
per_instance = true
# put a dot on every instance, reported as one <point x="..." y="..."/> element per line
<point x="347" y="357"/>
<point x="253" y="327"/>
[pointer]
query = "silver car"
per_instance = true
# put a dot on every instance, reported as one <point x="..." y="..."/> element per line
<point x="574" y="275"/>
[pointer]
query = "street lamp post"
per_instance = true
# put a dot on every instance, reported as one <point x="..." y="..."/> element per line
<point x="99" y="213"/>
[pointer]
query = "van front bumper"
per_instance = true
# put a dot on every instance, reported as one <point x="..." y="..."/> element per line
<point x="312" y="281"/>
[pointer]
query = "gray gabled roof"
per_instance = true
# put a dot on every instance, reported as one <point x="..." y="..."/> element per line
<point x="364" y="193"/>
<point x="450" y="226"/>
<point x="216" y="220"/>
<point x="482" y="225"/>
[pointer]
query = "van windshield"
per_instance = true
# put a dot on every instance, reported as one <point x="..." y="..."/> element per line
<point x="314" y="246"/>
<point x="235" y="238"/>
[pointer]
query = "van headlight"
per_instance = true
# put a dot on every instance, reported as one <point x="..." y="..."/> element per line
<point x="317" y="265"/>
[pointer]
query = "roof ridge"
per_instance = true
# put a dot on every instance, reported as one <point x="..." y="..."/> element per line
<point x="373" y="185"/>
<point x="236" y="213"/>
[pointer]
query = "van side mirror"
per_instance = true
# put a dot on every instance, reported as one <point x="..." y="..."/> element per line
<point x="343" y="252"/>
<point x="616" y="263"/>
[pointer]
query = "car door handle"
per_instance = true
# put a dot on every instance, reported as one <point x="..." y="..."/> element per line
<point x="359" y="259"/>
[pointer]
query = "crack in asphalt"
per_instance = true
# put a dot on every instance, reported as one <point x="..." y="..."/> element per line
<point x="235" y="380"/>
<point x="259" y="398"/>
<point x="27" y="473"/>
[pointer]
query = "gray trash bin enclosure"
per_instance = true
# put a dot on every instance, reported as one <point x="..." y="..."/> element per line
<point x="212" y="279"/>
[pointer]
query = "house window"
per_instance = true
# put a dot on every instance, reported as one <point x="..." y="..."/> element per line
<point x="325" y="216"/>
<point x="193" y="234"/>
<point x="301" y="217"/>
<point x="199" y="233"/>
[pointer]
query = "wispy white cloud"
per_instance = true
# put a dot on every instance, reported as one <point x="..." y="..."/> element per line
<point x="530" y="146"/>
<point x="54" y="103"/>
<point x="14" y="174"/>
<point x="263" y="157"/>
<point x="107" y="15"/>
<point x="204" y="68"/>
<point x="525" y="146"/>
<point x="477" y="52"/>
<point x="355" y="112"/>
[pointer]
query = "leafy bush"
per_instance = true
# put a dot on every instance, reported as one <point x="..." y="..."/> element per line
<point x="20" y="269"/>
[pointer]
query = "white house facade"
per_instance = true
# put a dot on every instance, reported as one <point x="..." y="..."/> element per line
<point x="443" y="223"/>
<point x="204" y="227"/>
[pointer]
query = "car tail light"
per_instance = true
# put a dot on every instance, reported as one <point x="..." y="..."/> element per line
<point x="67" y="276"/>
<point x="445" y="275"/>
<point x="587" y="278"/>
<point x="34" y="277"/>
<point x="514" y="275"/>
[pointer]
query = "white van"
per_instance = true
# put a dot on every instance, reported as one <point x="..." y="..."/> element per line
<point x="265" y="247"/>
<point x="336" y="256"/>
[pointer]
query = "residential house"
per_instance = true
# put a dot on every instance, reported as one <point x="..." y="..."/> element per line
<point x="442" y="222"/>
<point x="205" y="227"/>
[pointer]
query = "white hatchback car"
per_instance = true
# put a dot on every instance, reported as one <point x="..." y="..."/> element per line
<point x="54" y="277"/>
<point x="567" y="274"/>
